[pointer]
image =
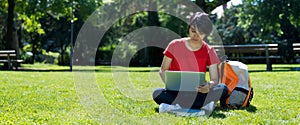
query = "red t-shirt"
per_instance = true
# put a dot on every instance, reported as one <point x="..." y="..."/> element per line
<point x="184" y="59"/>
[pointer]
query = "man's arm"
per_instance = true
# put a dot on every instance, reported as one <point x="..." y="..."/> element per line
<point x="164" y="66"/>
<point x="214" y="75"/>
<point x="214" y="79"/>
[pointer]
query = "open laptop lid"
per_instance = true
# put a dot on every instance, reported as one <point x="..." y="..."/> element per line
<point x="184" y="80"/>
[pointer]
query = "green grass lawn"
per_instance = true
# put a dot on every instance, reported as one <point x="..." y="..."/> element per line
<point x="117" y="96"/>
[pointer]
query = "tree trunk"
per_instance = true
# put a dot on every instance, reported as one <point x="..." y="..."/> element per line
<point x="62" y="54"/>
<point x="10" y="31"/>
<point x="153" y="20"/>
<point x="15" y="40"/>
<point x="10" y="25"/>
<point x="11" y="35"/>
<point x="33" y="48"/>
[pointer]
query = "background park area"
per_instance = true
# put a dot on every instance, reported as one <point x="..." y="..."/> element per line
<point x="39" y="39"/>
<point x="49" y="94"/>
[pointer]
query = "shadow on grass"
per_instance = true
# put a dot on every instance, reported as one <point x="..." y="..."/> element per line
<point x="275" y="69"/>
<point x="278" y="69"/>
<point x="75" y="70"/>
<point x="104" y="70"/>
<point x="218" y="111"/>
<point x="218" y="114"/>
<point x="156" y="110"/>
<point x="40" y="70"/>
<point x="127" y="71"/>
<point x="251" y="109"/>
<point x="100" y="70"/>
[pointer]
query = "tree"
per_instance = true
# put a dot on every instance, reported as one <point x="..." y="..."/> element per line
<point x="151" y="18"/>
<point x="10" y="38"/>
<point x="36" y="15"/>
<point x="10" y="25"/>
<point x="278" y="21"/>
<point x="228" y="29"/>
<point x="30" y="13"/>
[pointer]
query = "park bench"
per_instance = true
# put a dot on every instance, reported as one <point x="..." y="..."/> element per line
<point x="103" y="62"/>
<point x="10" y="57"/>
<point x="254" y="51"/>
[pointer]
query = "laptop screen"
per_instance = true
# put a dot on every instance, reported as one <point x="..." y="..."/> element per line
<point x="184" y="80"/>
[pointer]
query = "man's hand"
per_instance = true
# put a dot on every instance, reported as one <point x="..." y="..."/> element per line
<point x="204" y="88"/>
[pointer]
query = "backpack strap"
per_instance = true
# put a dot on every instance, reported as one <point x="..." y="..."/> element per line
<point x="222" y="69"/>
<point x="249" y="94"/>
<point x="241" y="90"/>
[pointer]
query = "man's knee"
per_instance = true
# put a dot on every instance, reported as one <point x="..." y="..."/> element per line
<point x="218" y="92"/>
<point x="157" y="92"/>
<point x="224" y="92"/>
<point x="221" y="88"/>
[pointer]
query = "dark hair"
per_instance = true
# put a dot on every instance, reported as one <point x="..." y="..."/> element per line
<point x="202" y="22"/>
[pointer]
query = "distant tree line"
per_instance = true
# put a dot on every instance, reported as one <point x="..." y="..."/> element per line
<point x="41" y="29"/>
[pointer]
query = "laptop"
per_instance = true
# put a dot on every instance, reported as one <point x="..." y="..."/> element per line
<point x="184" y="80"/>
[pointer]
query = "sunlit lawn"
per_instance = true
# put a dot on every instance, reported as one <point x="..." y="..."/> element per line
<point x="122" y="97"/>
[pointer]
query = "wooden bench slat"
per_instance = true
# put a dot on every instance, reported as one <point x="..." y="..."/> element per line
<point x="7" y="51"/>
<point x="9" y="56"/>
<point x="5" y="55"/>
<point x="258" y="57"/>
<point x="18" y="60"/>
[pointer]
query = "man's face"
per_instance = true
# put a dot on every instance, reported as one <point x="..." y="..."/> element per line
<point x="195" y="35"/>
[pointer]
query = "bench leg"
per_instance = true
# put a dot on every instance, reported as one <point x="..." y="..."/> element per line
<point x="269" y="66"/>
<point x="16" y="65"/>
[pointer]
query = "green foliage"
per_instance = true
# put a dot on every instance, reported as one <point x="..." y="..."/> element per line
<point x="52" y="57"/>
<point x="52" y="98"/>
<point x="34" y="16"/>
<point x="257" y="21"/>
<point x="271" y="21"/>
<point x="31" y="24"/>
<point x="64" y="58"/>
<point x="41" y="21"/>
<point x="228" y="28"/>
<point x="24" y="55"/>
<point x="268" y="15"/>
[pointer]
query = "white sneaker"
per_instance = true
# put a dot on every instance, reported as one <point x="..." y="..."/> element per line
<point x="209" y="108"/>
<point x="188" y="112"/>
<point x="163" y="107"/>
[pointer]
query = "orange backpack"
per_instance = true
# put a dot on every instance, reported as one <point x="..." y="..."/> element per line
<point x="235" y="75"/>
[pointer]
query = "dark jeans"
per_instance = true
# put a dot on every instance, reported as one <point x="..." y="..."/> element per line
<point x="194" y="100"/>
